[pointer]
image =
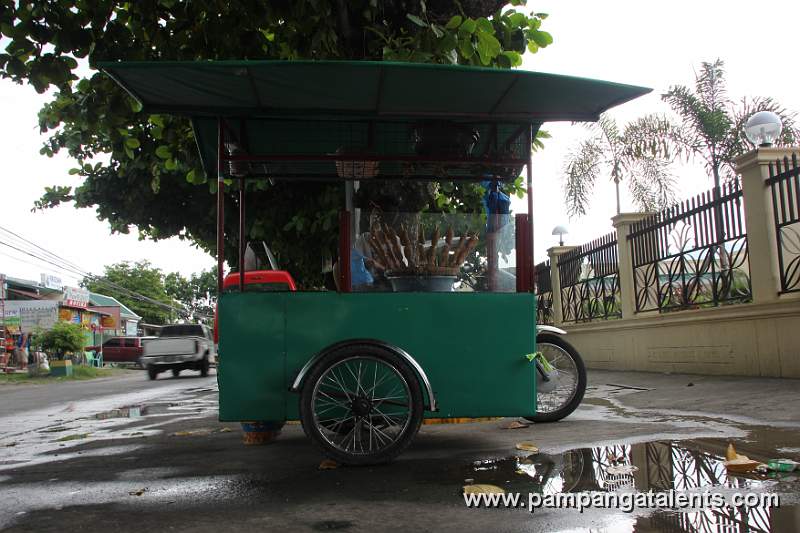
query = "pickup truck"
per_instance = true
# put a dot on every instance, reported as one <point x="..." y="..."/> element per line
<point x="180" y="347"/>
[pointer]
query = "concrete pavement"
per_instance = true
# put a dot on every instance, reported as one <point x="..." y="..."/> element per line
<point x="177" y="468"/>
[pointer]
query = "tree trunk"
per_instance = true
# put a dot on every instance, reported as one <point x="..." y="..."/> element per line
<point x="719" y="249"/>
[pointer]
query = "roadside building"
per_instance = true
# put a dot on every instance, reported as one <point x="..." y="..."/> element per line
<point x="120" y="321"/>
<point x="27" y="306"/>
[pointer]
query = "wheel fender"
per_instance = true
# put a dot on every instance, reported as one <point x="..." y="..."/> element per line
<point x="297" y="384"/>
<point x="544" y="328"/>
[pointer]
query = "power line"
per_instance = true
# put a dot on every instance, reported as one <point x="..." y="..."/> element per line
<point x="103" y="282"/>
<point x="53" y="255"/>
<point x="66" y="265"/>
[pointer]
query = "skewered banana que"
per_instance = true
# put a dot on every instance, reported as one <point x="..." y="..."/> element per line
<point x="402" y="256"/>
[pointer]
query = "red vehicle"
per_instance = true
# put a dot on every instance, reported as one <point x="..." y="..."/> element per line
<point x="257" y="280"/>
<point x="121" y="349"/>
<point x="261" y="280"/>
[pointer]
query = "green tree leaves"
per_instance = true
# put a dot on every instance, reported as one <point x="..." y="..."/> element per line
<point x="197" y="294"/>
<point x="711" y="125"/>
<point x="63" y="338"/>
<point x="143" y="170"/>
<point x="154" y="305"/>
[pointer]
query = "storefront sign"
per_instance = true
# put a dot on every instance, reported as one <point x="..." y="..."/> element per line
<point x="51" y="282"/>
<point x="69" y="315"/>
<point x="110" y="318"/>
<point x="34" y="313"/>
<point x="11" y="321"/>
<point x="75" y="297"/>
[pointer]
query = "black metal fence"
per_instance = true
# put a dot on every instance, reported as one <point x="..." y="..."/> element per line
<point x="544" y="293"/>
<point x="693" y="254"/>
<point x="784" y="182"/>
<point x="589" y="278"/>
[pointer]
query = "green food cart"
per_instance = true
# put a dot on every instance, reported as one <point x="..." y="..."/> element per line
<point x="361" y="369"/>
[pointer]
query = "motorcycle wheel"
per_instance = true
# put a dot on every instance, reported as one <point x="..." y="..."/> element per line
<point x="571" y="386"/>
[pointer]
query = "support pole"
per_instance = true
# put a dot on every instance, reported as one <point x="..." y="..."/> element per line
<point x="241" y="234"/>
<point x="529" y="168"/>
<point x="521" y="244"/>
<point x="220" y="210"/>
<point x="345" y="279"/>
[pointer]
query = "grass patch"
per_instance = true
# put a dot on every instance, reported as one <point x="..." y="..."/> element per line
<point x="90" y="372"/>
<point x="79" y="373"/>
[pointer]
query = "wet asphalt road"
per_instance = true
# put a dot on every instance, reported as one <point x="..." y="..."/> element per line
<point x="131" y="455"/>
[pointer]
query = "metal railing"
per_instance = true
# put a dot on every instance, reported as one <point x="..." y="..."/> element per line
<point x="589" y="278"/>
<point x="784" y="182"/>
<point x="693" y="254"/>
<point x="544" y="293"/>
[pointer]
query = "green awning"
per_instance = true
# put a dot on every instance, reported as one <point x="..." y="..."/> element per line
<point x="364" y="88"/>
<point x="295" y="119"/>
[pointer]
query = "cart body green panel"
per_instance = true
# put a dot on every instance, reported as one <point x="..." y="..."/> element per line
<point x="468" y="349"/>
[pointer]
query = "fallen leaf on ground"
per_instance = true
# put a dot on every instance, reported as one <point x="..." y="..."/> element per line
<point x="741" y="464"/>
<point x="527" y="447"/>
<point x="621" y="469"/>
<point x="10" y="444"/>
<point x="138" y="492"/>
<point x="483" y="489"/>
<point x="515" y="424"/>
<point x="225" y="430"/>
<point x="72" y="437"/>
<point x="328" y="464"/>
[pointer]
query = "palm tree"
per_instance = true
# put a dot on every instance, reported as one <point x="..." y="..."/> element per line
<point x="636" y="153"/>
<point x="711" y="129"/>
<point x="711" y="125"/>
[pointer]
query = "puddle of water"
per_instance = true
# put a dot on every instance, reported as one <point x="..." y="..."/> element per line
<point x="137" y="420"/>
<point x="662" y="466"/>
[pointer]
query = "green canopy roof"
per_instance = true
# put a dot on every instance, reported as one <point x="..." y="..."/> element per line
<point x="102" y="300"/>
<point x="364" y="88"/>
<point x="313" y="119"/>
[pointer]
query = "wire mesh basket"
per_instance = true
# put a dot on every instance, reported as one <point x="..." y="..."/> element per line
<point x="355" y="169"/>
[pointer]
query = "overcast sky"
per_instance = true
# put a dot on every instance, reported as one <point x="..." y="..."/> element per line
<point x="654" y="44"/>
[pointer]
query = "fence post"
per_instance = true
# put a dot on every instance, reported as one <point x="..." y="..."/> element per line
<point x="555" y="281"/>
<point x="622" y="223"/>
<point x="759" y="219"/>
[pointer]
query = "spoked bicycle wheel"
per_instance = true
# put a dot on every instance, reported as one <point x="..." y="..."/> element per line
<point x="361" y="405"/>
<point x="567" y="392"/>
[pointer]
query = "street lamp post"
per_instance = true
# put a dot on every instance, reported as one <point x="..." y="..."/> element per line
<point x="560" y="231"/>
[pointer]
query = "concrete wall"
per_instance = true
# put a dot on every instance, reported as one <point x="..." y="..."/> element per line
<point x="746" y="339"/>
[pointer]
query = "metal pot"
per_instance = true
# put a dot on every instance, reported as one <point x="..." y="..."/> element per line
<point x="422" y="283"/>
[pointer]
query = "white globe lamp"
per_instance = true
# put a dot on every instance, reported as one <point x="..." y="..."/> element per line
<point x="763" y="128"/>
<point x="560" y="231"/>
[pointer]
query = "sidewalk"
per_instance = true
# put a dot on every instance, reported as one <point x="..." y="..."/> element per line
<point x="756" y="401"/>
